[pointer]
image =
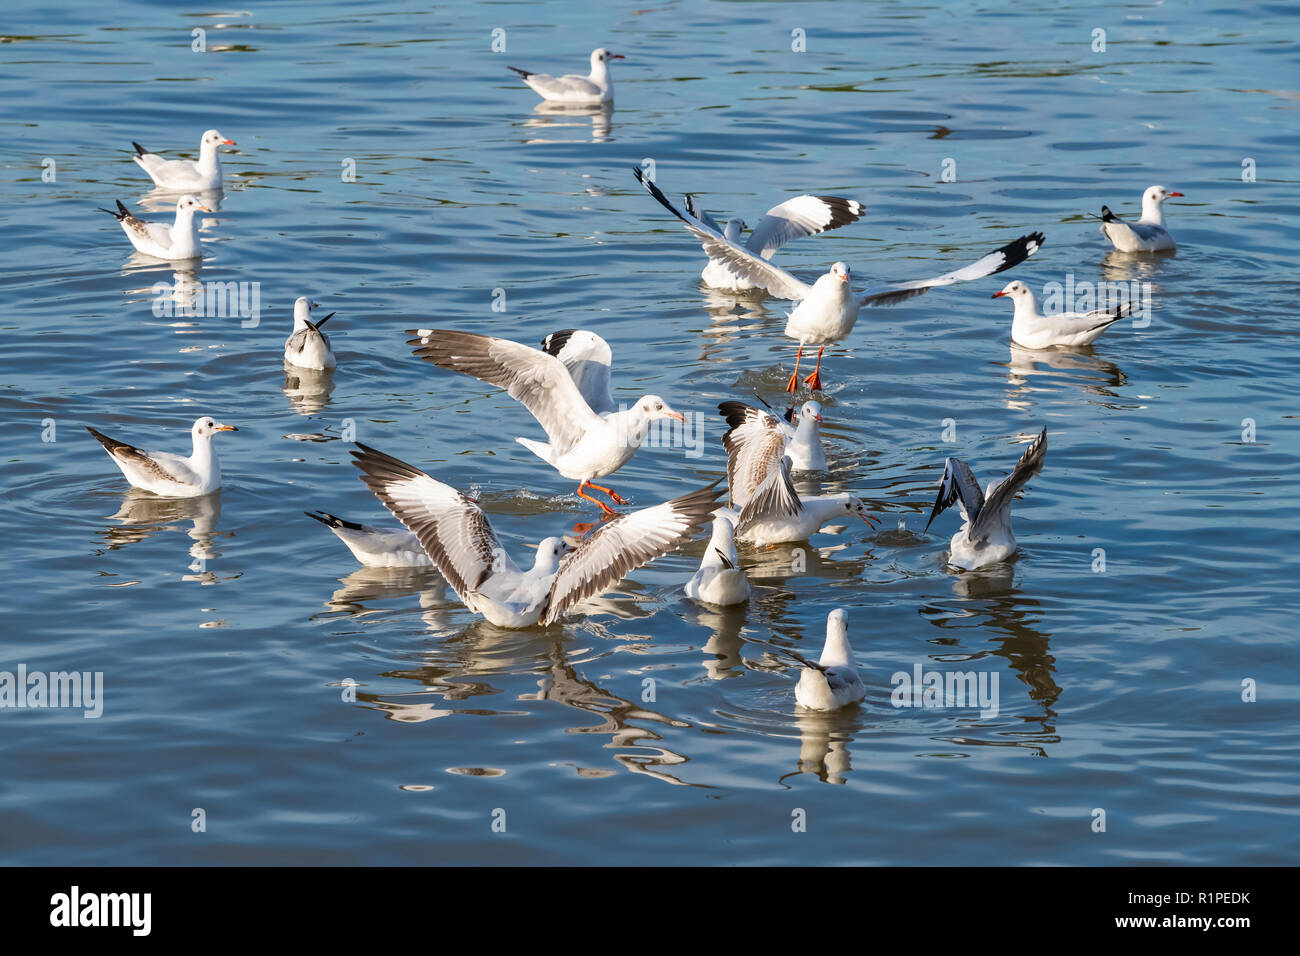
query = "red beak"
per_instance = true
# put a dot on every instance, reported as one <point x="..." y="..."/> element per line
<point x="1175" y="194"/>
<point x="227" y="142"/>
<point x="997" y="295"/>
<point x="617" y="56"/>
<point x="817" y="417"/>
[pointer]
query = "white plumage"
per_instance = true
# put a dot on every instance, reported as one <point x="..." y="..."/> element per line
<point x="186" y="175"/>
<point x="720" y="580"/>
<point x="835" y="681"/>
<point x="595" y="88"/>
<point x="174" y="242"/>
<point x="1031" y="329"/>
<point x="1148" y="234"/>
<point x="167" y="474"/>
<point x="307" y="346"/>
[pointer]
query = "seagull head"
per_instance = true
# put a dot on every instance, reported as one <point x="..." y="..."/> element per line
<point x="302" y="307"/>
<point x="206" y="427"/>
<point x="1016" y="290"/>
<point x="191" y="205"/>
<point x="811" y="411"/>
<point x="841" y="271"/>
<point x="214" y="139"/>
<point x="601" y="55"/>
<point x="1158" y="194"/>
<point x="854" y="505"/>
<point x="653" y="408"/>
<point x="550" y="551"/>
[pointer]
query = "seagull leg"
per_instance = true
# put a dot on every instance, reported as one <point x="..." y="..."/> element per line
<point x="814" y="380"/>
<point x="793" y="386"/>
<point x="604" y="508"/>
<point x="613" y="495"/>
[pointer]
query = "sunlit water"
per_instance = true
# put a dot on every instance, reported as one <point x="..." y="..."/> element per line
<point x="650" y="729"/>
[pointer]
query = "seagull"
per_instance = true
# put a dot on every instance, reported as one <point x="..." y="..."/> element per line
<point x="720" y="579"/>
<point x="803" y="443"/>
<point x="591" y="90"/>
<point x="1148" y="234"/>
<point x="985" y="536"/>
<point x="588" y="358"/>
<point x="763" y="502"/>
<point x="828" y="309"/>
<point x="584" y="444"/>
<point x="792" y="219"/>
<point x="1035" y="331"/>
<point x="833" y="682"/>
<point x="185" y="175"/>
<point x="376" y="547"/>
<point x="178" y="241"/>
<point x="168" y="475"/>
<point x="455" y="533"/>
<point x="308" y="346"/>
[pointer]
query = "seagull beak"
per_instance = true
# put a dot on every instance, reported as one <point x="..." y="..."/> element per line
<point x="676" y="416"/>
<point x="204" y="208"/>
<point x="616" y="56"/>
<point x="871" y="523"/>
<point x="1176" y="194"/>
<point x="817" y="418"/>
<point x="227" y="142"/>
<point x="997" y="295"/>
<point x="226" y="428"/>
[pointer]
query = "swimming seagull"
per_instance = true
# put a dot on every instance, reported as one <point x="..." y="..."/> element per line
<point x="803" y="442"/>
<point x="985" y="536"/>
<point x="828" y="309"/>
<point x="1035" y="331"/>
<point x="455" y="533"/>
<point x="792" y="219"/>
<point x="584" y="444"/>
<point x="1148" y="234"/>
<point x="185" y="175"/>
<point x="376" y="547"/>
<point x="720" y="579"/>
<point x="832" y="682"/>
<point x="572" y="89"/>
<point x="308" y="346"/>
<point x="168" y="475"/>
<point x="763" y="502"/>
<point x="178" y="241"/>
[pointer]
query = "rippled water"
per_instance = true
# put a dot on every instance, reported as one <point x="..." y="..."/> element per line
<point x="226" y="628"/>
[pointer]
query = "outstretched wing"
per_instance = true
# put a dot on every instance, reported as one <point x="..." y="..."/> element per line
<point x="957" y="485"/>
<point x="693" y="208"/>
<point x="1000" y="495"/>
<point x="799" y="217"/>
<point x="1007" y="257"/>
<point x="451" y="528"/>
<point x="742" y="262"/>
<point x="536" y="380"/>
<point x="755" y="444"/>
<point x="774" y="498"/>
<point x="588" y="358"/>
<point x="626" y="543"/>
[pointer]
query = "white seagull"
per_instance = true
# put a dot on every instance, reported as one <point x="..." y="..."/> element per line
<point x="376" y="547"/>
<point x="792" y="219"/>
<point x="985" y="536"/>
<point x="1035" y="331"/>
<point x="307" y="346"/>
<point x="833" y="682"/>
<point x="455" y="533"/>
<point x="828" y="309"/>
<point x="178" y="241"/>
<point x="1148" y="234"/>
<point x="185" y="175"/>
<point x="584" y="444"/>
<point x="763" y="502"/>
<point x="803" y="442"/>
<point x="168" y="475"/>
<point x="720" y="579"/>
<point x="574" y="90"/>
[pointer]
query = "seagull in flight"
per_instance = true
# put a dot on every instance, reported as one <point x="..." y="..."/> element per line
<point x="985" y="537"/>
<point x="455" y="533"/>
<point x="827" y="310"/>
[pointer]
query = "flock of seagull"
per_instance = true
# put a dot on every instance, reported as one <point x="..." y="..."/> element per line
<point x="566" y="385"/>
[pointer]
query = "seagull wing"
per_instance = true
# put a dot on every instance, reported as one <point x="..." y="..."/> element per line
<point x="774" y="498"/>
<point x="157" y="464"/>
<point x="452" y="529"/>
<point x="536" y="380"/>
<point x="1007" y="257"/>
<point x="755" y="444"/>
<point x="799" y="217"/>
<point x="693" y="208"/>
<point x="1000" y="495"/>
<point x="588" y="358"/>
<point x="957" y="485"/>
<point x="626" y="543"/>
<point x="740" y="260"/>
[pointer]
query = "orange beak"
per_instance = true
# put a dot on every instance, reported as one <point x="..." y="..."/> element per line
<point x="678" y="416"/>
<point x="204" y="208"/>
<point x="226" y="428"/>
<point x="227" y="142"/>
<point x="1176" y="194"/>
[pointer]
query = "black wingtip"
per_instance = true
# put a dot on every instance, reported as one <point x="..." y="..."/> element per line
<point x="735" y="412"/>
<point x="655" y="191"/>
<point x="324" y="320"/>
<point x="1107" y="215"/>
<point x="554" y="343"/>
<point x="139" y="150"/>
<point x="122" y="211"/>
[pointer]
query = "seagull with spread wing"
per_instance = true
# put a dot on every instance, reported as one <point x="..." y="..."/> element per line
<point x="803" y="442"/>
<point x="763" y="502"/>
<point x="985" y="537"/>
<point x="828" y="309"/>
<point x="454" y="532"/>
<point x="584" y="443"/>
